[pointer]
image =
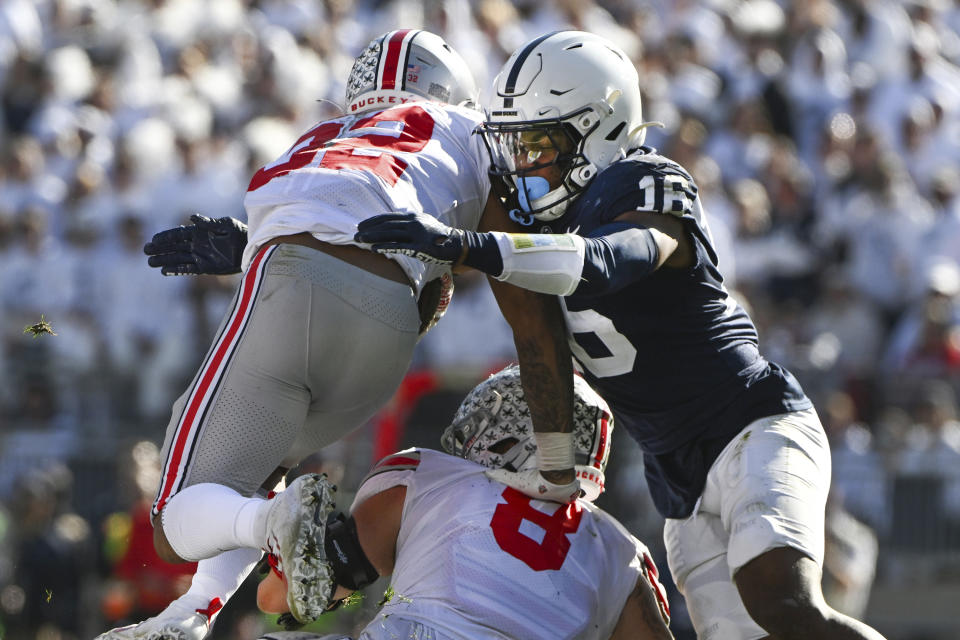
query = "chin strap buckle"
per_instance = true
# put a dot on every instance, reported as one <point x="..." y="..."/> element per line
<point x="526" y="219"/>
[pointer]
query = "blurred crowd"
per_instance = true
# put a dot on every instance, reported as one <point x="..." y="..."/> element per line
<point x="824" y="136"/>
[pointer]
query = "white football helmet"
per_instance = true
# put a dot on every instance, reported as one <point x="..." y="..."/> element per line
<point x="495" y="411"/>
<point x="405" y="65"/>
<point x="575" y="90"/>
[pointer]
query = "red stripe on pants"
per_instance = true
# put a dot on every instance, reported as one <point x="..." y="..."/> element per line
<point x="207" y="378"/>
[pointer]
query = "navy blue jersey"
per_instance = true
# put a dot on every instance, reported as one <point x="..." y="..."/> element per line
<point x="673" y="354"/>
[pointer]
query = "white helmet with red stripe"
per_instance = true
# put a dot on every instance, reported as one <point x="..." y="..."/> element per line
<point x="405" y="65"/>
<point x="492" y="427"/>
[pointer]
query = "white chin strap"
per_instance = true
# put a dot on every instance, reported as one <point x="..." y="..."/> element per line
<point x="553" y="204"/>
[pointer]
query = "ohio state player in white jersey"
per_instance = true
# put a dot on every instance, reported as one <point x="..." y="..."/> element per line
<point x="420" y="157"/>
<point x="493" y="575"/>
<point x="321" y="331"/>
<point x="474" y="559"/>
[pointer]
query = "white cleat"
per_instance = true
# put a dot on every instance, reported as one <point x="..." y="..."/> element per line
<point x="176" y="622"/>
<point x="296" y="525"/>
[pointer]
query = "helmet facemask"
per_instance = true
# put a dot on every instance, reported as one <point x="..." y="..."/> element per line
<point x="526" y="157"/>
<point x="479" y="433"/>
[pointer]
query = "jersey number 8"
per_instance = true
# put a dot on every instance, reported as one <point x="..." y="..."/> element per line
<point x="551" y="551"/>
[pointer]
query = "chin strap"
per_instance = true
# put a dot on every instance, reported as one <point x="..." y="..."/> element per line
<point x="288" y="622"/>
<point x="518" y="216"/>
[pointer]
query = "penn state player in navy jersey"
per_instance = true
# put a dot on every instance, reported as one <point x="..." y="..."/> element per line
<point x="735" y="455"/>
<point x="693" y="351"/>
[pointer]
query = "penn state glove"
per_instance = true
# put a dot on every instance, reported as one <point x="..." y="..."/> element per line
<point x="208" y="246"/>
<point x="416" y="235"/>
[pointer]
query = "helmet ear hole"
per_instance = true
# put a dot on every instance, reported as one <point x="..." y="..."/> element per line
<point x="504" y="445"/>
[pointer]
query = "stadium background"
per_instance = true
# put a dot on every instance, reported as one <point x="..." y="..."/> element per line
<point x="824" y="136"/>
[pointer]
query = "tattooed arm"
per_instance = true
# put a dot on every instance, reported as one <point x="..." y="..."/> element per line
<point x="546" y="365"/>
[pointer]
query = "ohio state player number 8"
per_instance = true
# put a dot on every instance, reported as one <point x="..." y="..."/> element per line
<point x="550" y="552"/>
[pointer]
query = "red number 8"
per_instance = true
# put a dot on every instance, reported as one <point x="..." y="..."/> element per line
<point x="549" y="553"/>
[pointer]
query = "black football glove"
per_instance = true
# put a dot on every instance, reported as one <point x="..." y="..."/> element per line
<point x="206" y="246"/>
<point x="416" y="235"/>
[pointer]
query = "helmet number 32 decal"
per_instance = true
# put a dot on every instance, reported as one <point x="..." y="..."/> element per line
<point x="361" y="144"/>
<point x="517" y="526"/>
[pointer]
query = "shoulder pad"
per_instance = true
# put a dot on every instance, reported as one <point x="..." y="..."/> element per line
<point x="643" y="181"/>
<point x="407" y="460"/>
<point x="647" y="160"/>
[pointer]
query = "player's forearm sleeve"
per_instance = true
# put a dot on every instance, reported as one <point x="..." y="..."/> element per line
<point x="616" y="254"/>
<point x="541" y="262"/>
<point x="610" y="258"/>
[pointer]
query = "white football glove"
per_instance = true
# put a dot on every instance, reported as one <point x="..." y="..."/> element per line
<point x="532" y="484"/>
<point x="178" y="621"/>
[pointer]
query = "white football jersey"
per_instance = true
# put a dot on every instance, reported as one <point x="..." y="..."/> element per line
<point x="419" y="157"/>
<point x="479" y="560"/>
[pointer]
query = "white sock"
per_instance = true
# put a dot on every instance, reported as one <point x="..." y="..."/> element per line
<point x="217" y="579"/>
<point x="206" y="519"/>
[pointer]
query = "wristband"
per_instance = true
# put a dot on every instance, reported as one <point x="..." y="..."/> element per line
<point x="554" y="450"/>
<point x="480" y="251"/>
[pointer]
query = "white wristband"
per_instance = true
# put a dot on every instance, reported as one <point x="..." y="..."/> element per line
<point x="554" y="450"/>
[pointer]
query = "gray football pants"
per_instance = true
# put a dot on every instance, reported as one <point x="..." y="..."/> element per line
<point x="310" y="349"/>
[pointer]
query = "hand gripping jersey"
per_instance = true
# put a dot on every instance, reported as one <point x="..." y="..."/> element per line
<point x="418" y="157"/>
<point x="674" y="355"/>
<point x="477" y="560"/>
